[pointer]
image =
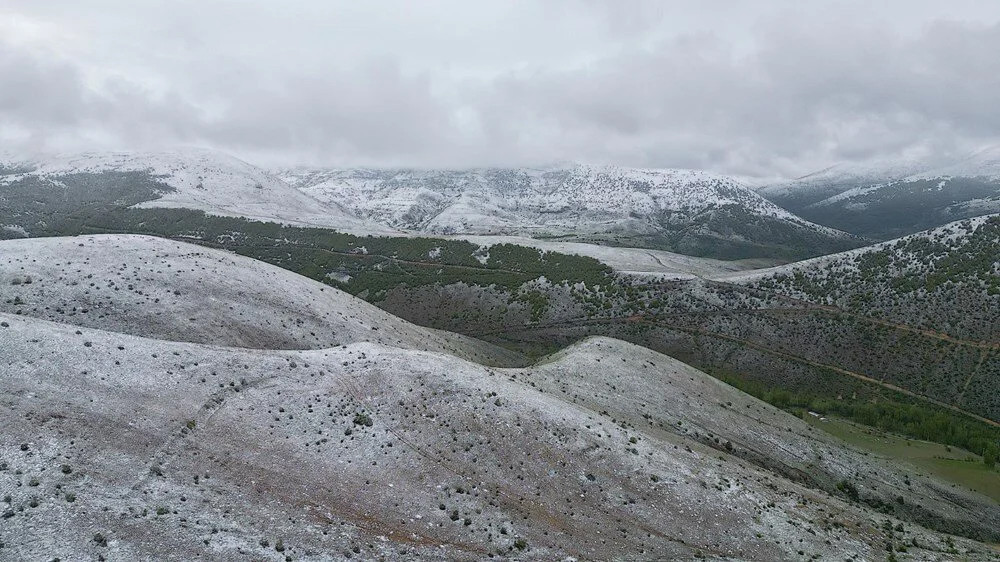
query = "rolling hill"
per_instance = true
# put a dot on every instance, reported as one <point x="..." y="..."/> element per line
<point x="162" y="289"/>
<point x="945" y="279"/>
<point x="122" y="446"/>
<point x="203" y="180"/>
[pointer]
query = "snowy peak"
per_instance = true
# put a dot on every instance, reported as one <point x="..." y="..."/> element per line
<point x="182" y="170"/>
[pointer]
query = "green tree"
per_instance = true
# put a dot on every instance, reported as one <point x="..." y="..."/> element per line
<point x="990" y="456"/>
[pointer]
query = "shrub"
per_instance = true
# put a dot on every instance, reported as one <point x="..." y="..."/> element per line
<point x="848" y="489"/>
<point x="990" y="456"/>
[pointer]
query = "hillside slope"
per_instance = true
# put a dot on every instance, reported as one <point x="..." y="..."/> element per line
<point x="163" y="289"/>
<point x="888" y="199"/>
<point x="738" y="424"/>
<point x="686" y="211"/>
<point x="195" y="179"/>
<point x="946" y="279"/>
<point x="128" y="448"/>
<point x="941" y="285"/>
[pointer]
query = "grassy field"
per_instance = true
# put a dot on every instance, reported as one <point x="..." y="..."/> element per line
<point x="951" y="464"/>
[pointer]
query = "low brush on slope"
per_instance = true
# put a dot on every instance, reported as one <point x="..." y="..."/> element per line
<point x="131" y="448"/>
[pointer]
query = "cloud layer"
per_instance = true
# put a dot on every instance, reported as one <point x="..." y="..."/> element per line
<point x="773" y="91"/>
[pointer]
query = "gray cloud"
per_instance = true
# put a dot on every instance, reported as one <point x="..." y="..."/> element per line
<point x="461" y="84"/>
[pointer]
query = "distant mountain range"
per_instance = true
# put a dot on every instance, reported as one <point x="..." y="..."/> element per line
<point x="689" y="212"/>
<point x="892" y="198"/>
<point x="685" y="211"/>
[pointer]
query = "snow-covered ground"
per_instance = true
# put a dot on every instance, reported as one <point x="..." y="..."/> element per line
<point x="208" y="181"/>
<point x="170" y="290"/>
<point x="633" y="261"/>
<point x="179" y="451"/>
<point x="128" y="447"/>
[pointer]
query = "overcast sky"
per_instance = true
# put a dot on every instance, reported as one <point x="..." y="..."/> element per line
<point x="757" y="88"/>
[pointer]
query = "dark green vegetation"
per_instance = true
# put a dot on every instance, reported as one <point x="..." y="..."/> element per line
<point x="891" y="413"/>
<point x="47" y="208"/>
<point x="896" y="208"/>
<point x="782" y="341"/>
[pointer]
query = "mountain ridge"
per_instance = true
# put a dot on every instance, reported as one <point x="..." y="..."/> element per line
<point x="887" y="199"/>
<point x="688" y="211"/>
<point x="199" y="179"/>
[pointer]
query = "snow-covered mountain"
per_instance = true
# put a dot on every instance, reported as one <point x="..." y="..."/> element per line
<point x="688" y="212"/>
<point x="683" y="210"/>
<point x="198" y="179"/>
<point x="892" y="198"/>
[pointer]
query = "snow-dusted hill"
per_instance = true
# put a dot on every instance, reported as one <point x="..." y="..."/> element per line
<point x="581" y="199"/>
<point x="199" y="179"/>
<point x="398" y="444"/>
<point x="893" y="198"/>
<point x="682" y="210"/>
<point x="633" y="261"/>
<point x="169" y="290"/>
<point x="945" y="279"/>
<point x="956" y="235"/>
<point x="130" y="448"/>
